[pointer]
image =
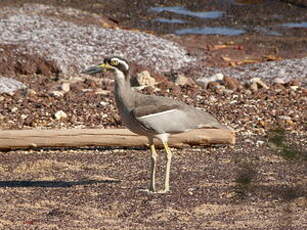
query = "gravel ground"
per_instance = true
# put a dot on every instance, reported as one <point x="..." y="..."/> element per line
<point x="73" y="47"/>
<point x="222" y="187"/>
<point x="284" y="70"/>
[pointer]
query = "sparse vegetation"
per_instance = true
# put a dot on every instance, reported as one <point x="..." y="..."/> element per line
<point x="277" y="141"/>
<point x="245" y="176"/>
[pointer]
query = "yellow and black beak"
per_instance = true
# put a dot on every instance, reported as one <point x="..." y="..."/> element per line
<point x="97" y="69"/>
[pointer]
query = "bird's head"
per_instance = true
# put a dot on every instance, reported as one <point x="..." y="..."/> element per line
<point x="116" y="64"/>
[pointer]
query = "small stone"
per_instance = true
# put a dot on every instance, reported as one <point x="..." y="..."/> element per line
<point x="232" y="83"/>
<point x="65" y="87"/>
<point x="282" y="117"/>
<point x="214" y="85"/>
<point x="248" y="92"/>
<point x="286" y="120"/>
<point x="249" y="141"/>
<point x="204" y="81"/>
<point x="100" y="91"/>
<point x="56" y="93"/>
<point x="273" y="112"/>
<point x="31" y="92"/>
<point x="279" y="81"/>
<point x="103" y="103"/>
<point x="227" y="91"/>
<point x="231" y="195"/>
<point x="14" y="109"/>
<point x="23" y="116"/>
<point x="259" y="82"/>
<point x="183" y="80"/>
<point x="144" y="79"/>
<point x="259" y="143"/>
<point x="1" y="98"/>
<point x="294" y="87"/>
<point x="9" y="85"/>
<point x="212" y="99"/>
<point x="60" y="115"/>
<point x="254" y="86"/>
<point x="294" y="82"/>
<point x="263" y="123"/>
<point x="301" y="201"/>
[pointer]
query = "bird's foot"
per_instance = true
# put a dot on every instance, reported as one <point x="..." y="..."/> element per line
<point x="163" y="191"/>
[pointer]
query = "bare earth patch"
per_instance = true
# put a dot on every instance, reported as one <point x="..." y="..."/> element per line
<point x="100" y="189"/>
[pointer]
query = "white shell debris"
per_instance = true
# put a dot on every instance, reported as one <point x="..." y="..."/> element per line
<point x="204" y="81"/>
<point x="60" y="115"/>
<point x="74" y="47"/>
<point x="144" y="79"/>
<point x="9" y="85"/>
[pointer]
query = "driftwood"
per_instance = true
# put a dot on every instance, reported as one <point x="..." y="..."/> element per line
<point x="14" y="139"/>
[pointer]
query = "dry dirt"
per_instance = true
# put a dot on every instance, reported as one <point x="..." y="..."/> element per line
<point x="259" y="183"/>
<point x="220" y="187"/>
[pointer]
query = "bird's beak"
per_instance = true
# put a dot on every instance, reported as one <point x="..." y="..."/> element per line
<point x="97" y="69"/>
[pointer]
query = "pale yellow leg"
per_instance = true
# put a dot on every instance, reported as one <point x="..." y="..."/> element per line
<point x="154" y="156"/>
<point x="169" y="155"/>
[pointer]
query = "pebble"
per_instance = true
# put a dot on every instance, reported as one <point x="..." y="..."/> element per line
<point x="103" y="103"/>
<point x="60" y="115"/>
<point x="144" y="79"/>
<point x="254" y="86"/>
<point x="279" y="81"/>
<point x="284" y="117"/>
<point x="23" y="116"/>
<point x="259" y="143"/>
<point x="294" y="87"/>
<point x="256" y="81"/>
<point x="65" y="87"/>
<point x="232" y="83"/>
<point x="100" y="91"/>
<point x="214" y="85"/>
<point x="14" y="109"/>
<point x="9" y="85"/>
<point x="56" y="93"/>
<point x="31" y="92"/>
<point x="181" y="80"/>
<point x="204" y="81"/>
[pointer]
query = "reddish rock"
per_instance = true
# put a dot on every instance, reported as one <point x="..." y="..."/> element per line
<point x="232" y="83"/>
<point x="294" y="82"/>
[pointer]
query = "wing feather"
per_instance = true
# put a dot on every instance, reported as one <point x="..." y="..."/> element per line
<point x="165" y="115"/>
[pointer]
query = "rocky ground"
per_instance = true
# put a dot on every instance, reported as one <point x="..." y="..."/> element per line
<point x="259" y="183"/>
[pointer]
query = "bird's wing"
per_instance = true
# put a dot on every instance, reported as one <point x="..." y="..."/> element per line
<point x="165" y="115"/>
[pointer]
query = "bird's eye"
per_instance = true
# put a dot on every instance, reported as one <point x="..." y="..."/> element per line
<point x="114" y="62"/>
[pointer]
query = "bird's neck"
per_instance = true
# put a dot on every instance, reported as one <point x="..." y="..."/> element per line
<point x="123" y="92"/>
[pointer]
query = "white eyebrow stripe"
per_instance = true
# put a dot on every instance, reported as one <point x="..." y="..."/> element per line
<point x="122" y="62"/>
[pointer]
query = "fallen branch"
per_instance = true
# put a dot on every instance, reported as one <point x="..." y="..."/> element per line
<point x="14" y="139"/>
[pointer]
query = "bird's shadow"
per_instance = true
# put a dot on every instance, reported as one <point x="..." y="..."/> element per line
<point x="52" y="184"/>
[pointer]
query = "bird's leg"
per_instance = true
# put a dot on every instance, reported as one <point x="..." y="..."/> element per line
<point x="154" y="155"/>
<point x="168" y="166"/>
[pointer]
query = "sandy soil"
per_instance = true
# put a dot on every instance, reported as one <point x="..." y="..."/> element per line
<point x="221" y="187"/>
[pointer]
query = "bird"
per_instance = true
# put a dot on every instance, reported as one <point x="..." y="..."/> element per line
<point x="155" y="117"/>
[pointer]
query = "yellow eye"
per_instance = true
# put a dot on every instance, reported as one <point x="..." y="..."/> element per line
<point x="114" y="62"/>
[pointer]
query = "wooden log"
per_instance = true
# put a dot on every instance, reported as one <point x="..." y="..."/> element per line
<point x="14" y="139"/>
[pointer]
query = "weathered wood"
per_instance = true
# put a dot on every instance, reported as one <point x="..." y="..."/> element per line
<point x="14" y="139"/>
